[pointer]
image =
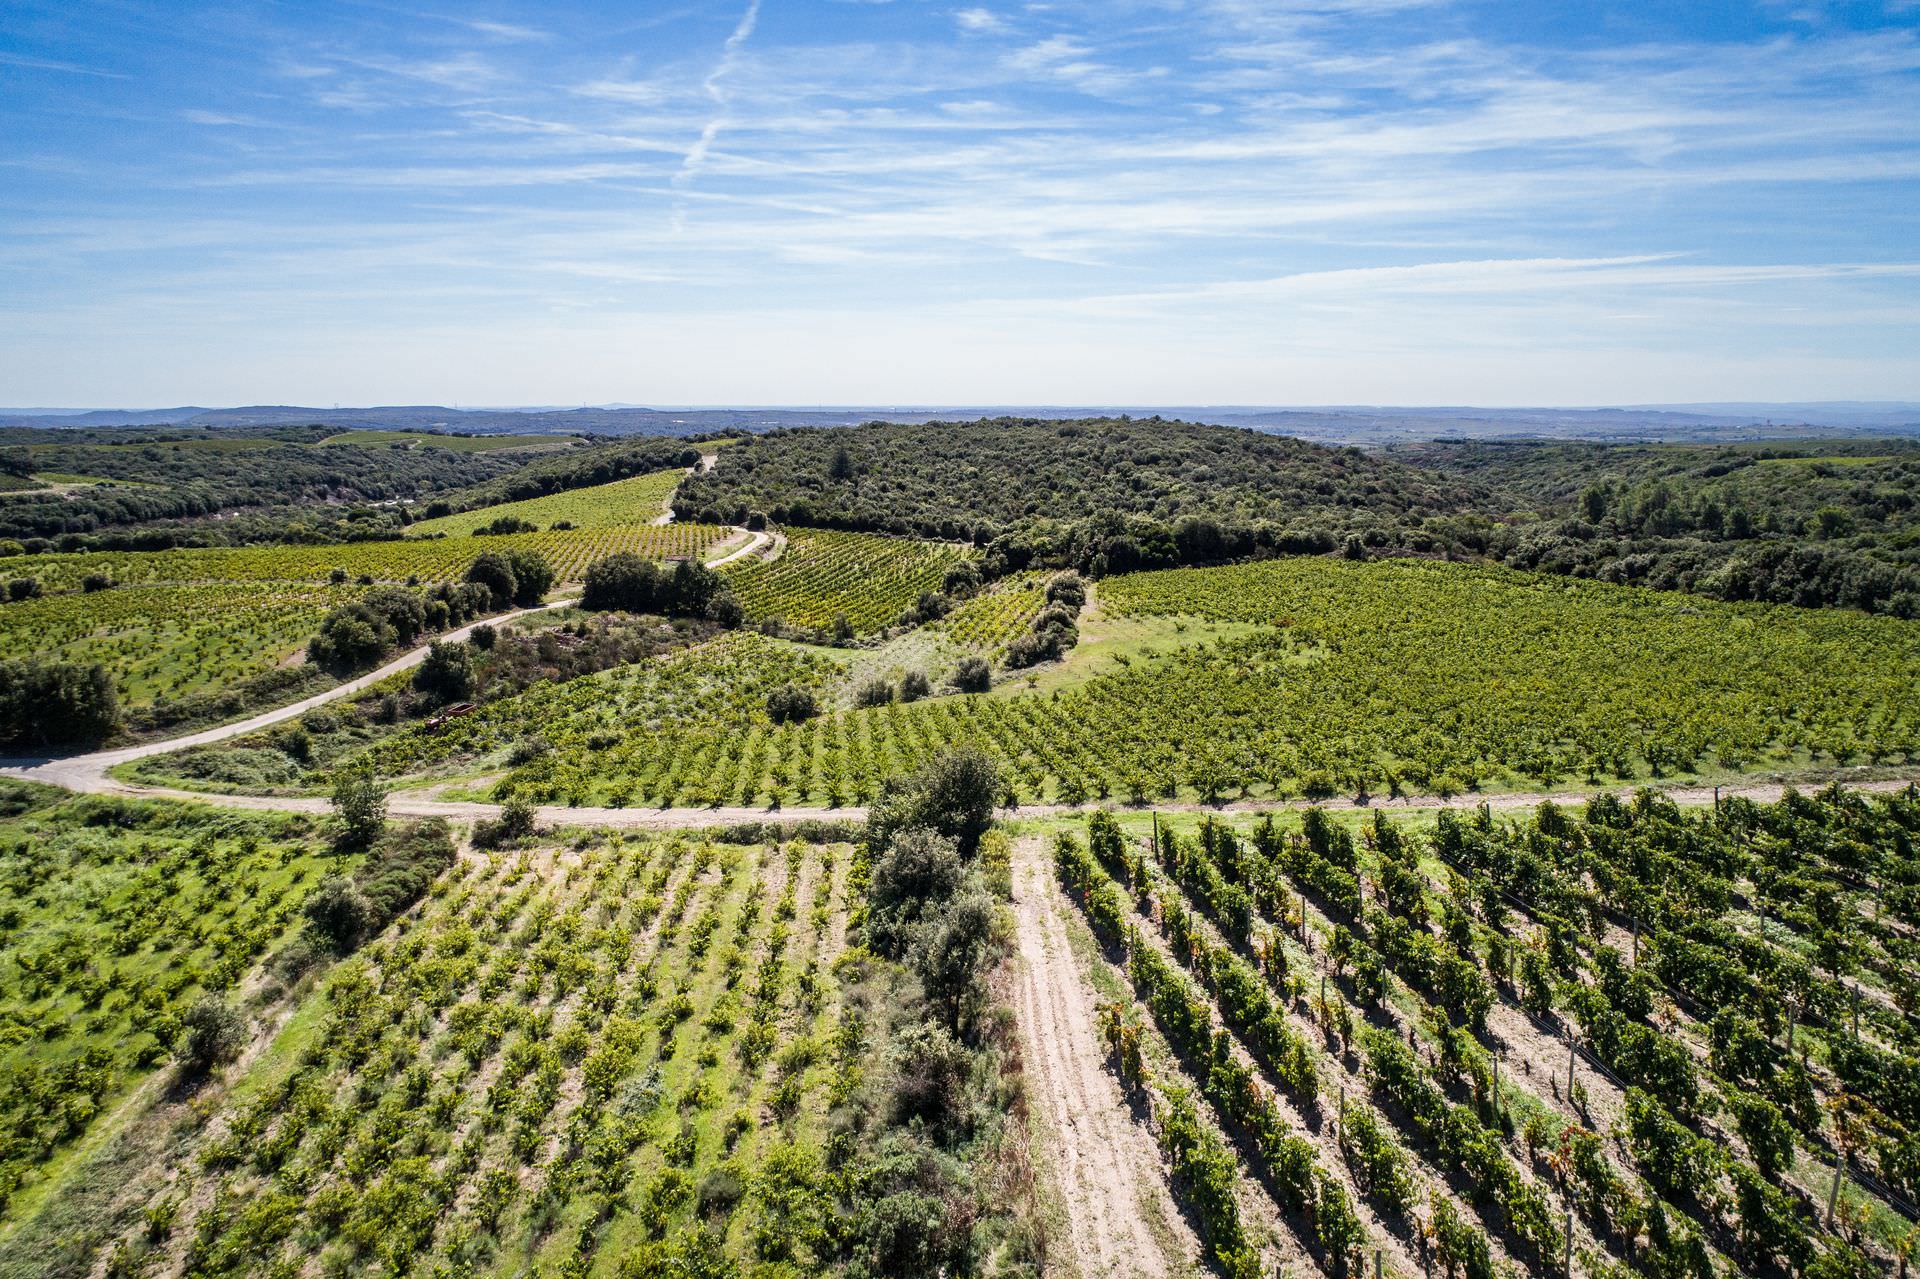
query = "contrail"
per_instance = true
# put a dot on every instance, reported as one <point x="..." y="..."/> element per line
<point x="696" y="156"/>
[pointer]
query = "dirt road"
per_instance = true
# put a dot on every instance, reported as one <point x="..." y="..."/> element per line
<point x="1121" y="1218"/>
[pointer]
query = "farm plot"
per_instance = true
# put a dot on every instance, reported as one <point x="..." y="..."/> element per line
<point x="617" y="735"/>
<point x="1403" y="976"/>
<point x="823" y="576"/>
<point x="115" y="919"/>
<point x="1380" y="680"/>
<point x="645" y="1076"/>
<point x="991" y="620"/>
<point x="171" y="641"/>
<point x="639" y="500"/>
<point x="570" y="551"/>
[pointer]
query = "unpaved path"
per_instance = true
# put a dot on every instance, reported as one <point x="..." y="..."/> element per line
<point x="88" y="773"/>
<point x="1106" y="1164"/>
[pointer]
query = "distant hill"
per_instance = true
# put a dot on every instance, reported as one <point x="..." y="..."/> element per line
<point x="1339" y="424"/>
<point x="1147" y="481"/>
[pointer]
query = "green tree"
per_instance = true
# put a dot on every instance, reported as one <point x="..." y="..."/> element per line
<point x="359" y="808"/>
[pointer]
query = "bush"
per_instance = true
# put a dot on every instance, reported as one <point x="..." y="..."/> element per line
<point x="493" y="571"/>
<point x="211" y="1034"/>
<point x="532" y="574"/>
<point x="359" y="808"/>
<point x="914" y="685"/>
<point x="93" y="583"/>
<point x="517" y="819"/>
<point x="918" y="871"/>
<point x="790" y="704"/>
<point x="338" y="912"/>
<point x="483" y="636"/>
<point x="875" y="692"/>
<point x="23" y="588"/>
<point x="1067" y="588"/>
<point x="973" y="675"/>
<point x="727" y="610"/>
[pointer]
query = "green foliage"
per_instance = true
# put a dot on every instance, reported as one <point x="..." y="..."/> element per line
<point x="212" y="1033"/>
<point x="1114" y="484"/>
<point x="56" y="704"/>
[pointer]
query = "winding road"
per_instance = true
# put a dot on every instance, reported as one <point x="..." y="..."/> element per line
<point x="89" y="774"/>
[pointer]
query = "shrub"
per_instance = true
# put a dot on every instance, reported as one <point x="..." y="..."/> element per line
<point x="973" y="675"/>
<point x="790" y="704"/>
<point x="914" y="685"/>
<point x="954" y="794"/>
<point x="493" y="571"/>
<point x="875" y="692"/>
<point x="483" y="636"/>
<point x="56" y="703"/>
<point x="23" y="588"/>
<point x="211" y="1034"/>
<point x="95" y="582"/>
<point x="359" y="807"/>
<point x="338" y="912"/>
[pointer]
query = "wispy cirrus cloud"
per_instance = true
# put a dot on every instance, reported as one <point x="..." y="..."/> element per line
<point x="1276" y="177"/>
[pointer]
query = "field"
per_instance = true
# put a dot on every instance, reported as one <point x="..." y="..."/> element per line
<point x="826" y="575"/>
<point x="171" y="641"/>
<point x="1430" y="1068"/>
<point x="636" y="501"/>
<point x="453" y="443"/>
<point x="116" y="918"/>
<point x="579" y="1055"/>
<point x="1329" y="678"/>
<point x="662" y="1010"/>
<point x="428" y="559"/>
<point x="185" y="623"/>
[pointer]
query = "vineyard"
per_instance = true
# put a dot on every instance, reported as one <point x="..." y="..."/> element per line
<point x="623" y="714"/>
<point x="824" y="576"/>
<point x="662" y="1018"/>
<point x="1383" y="678"/>
<point x="171" y="642"/>
<point x="116" y="918"/>
<point x="1636" y="1040"/>
<point x="639" y="500"/>
<point x="991" y="620"/>
<point x="570" y="551"/>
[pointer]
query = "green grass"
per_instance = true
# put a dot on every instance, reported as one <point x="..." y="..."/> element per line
<point x="1111" y="645"/>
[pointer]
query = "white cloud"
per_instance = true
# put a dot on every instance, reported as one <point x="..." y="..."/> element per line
<point x="978" y="20"/>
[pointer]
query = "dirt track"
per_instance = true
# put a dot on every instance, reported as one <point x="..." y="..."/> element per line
<point x="1105" y="1161"/>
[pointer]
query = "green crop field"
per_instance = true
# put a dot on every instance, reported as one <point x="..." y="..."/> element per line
<point x="171" y="640"/>
<point x="1657" y="1077"/>
<point x="825" y="575"/>
<point x="427" y="559"/>
<point x="1328" y="677"/>
<point x="636" y="501"/>
<point x="115" y="919"/>
<point x="183" y="623"/>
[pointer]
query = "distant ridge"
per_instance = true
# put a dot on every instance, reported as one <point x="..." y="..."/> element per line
<point x="1337" y="424"/>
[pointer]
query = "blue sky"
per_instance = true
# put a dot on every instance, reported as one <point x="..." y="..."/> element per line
<point x="828" y="201"/>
